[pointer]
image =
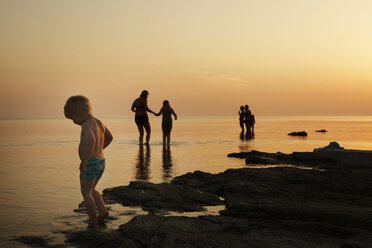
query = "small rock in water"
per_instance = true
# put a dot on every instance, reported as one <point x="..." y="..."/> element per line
<point x="302" y="133"/>
<point x="321" y="131"/>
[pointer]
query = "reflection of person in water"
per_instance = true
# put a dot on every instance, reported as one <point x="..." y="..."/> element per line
<point x="167" y="163"/>
<point x="143" y="164"/>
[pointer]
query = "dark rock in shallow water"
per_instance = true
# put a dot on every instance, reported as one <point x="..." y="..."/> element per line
<point x="302" y="133"/>
<point x="296" y="158"/>
<point x="175" y="231"/>
<point x="287" y="194"/>
<point x="279" y="207"/>
<point x="222" y="231"/>
<point x="321" y="131"/>
<point x="161" y="196"/>
<point x="100" y="238"/>
<point x="34" y="241"/>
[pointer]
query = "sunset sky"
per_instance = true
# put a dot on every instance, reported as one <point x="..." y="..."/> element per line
<point x="207" y="57"/>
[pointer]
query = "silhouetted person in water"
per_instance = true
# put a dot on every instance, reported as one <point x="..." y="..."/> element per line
<point x="140" y="107"/>
<point x="241" y="136"/>
<point x="166" y="124"/>
<point x="247" y="113"/>
<point x="241" y="114"/>
<point x="249" y="135"/>
<point x="249" y="120"/>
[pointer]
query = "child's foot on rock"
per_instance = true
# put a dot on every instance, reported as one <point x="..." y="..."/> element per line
<point x="92" y="222"/>
<point x="101" y="217"/>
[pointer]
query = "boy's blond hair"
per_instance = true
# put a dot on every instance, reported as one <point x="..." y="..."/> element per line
<point x="76" y="103"/>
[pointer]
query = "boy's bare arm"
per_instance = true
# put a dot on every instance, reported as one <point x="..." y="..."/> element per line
<point x="108" y="138"/>
<point x="86" y="147"/>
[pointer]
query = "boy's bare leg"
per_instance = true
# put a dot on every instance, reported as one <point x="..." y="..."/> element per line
<point x="86" y="190"/>
<point x="148" y="131"/>
<point x="103" y="213"/>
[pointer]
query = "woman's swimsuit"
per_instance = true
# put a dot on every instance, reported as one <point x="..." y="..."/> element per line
<point x="141" y="119"/>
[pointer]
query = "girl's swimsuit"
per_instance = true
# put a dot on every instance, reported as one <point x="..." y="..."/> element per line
<point x="167" y="122"/>
<point x="94" y="169"/>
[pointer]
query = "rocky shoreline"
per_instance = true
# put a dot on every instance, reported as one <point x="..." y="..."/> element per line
<point x="271" y="207"/>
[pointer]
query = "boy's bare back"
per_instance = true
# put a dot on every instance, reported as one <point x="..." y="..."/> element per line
<point x="92" y="139"/>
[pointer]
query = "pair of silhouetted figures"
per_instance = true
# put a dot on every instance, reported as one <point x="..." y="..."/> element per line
<point x="141" y="118"/>
<point x="246" y="119"/>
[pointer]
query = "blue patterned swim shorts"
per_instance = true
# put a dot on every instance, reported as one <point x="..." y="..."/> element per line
<point x="94" y="169"/>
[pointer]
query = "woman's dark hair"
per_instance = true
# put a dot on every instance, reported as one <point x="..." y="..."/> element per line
<point x="144" y="93"/>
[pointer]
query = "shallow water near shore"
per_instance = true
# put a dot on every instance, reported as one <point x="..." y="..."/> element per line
<point x="39" y="162"/>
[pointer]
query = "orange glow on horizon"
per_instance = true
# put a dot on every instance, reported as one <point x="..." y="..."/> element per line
<point x="206" y="58"/>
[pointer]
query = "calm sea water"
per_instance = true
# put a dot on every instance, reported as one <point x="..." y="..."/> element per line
<point x="39" y="185"/>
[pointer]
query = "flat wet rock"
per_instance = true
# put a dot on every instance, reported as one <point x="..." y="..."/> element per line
<point x="153" y="197"/>
<point x="273" y="207"/>
<point x="34" y="241"/>
<point x="222" y="231"/>
<point x="99" y="238"/>
<point x="307" y="159"/>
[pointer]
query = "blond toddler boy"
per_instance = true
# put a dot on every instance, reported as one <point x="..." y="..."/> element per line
<point x="94" y="138"/>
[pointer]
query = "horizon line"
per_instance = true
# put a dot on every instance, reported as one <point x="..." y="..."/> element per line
<point x="189" y="116"/>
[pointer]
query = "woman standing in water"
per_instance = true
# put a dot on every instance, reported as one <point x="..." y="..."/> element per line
<point x="166" y="124"/>
<point x="241" y="117"/>
<point x="247" y="115"/>
<point x="139" y="106"/>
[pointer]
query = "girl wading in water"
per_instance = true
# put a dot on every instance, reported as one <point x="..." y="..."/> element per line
<point x="166" y="124"/>
<point x="140" y="107"/>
